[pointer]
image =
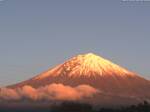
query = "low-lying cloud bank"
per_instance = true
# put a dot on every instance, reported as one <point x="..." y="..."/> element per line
<point x="49" y="92"/>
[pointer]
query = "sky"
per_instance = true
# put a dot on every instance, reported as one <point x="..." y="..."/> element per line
<point x="36" y="35"/>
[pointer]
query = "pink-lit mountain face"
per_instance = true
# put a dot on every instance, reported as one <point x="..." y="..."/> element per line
<point x="113" y="81"/>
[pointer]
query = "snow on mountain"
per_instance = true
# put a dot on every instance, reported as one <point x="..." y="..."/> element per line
<point x="86" y="65"/>
<point x="114" y="82"/>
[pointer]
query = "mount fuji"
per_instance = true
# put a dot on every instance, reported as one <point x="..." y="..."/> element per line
<point x="115" y="83"/>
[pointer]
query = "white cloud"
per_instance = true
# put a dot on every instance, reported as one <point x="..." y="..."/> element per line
<point x="49" y="92"/>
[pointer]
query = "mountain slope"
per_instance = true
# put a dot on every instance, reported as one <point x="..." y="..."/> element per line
<point x="95" y="71"/>
<point x="86" y="65"/>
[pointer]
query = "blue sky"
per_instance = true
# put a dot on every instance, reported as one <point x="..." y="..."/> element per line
<point x="38" y="34"/>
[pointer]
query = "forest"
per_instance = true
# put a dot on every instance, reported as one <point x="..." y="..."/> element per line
<point x="79" y="107"/>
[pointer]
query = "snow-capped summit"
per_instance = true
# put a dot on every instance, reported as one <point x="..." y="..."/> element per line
<point x="86" y="65"/>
